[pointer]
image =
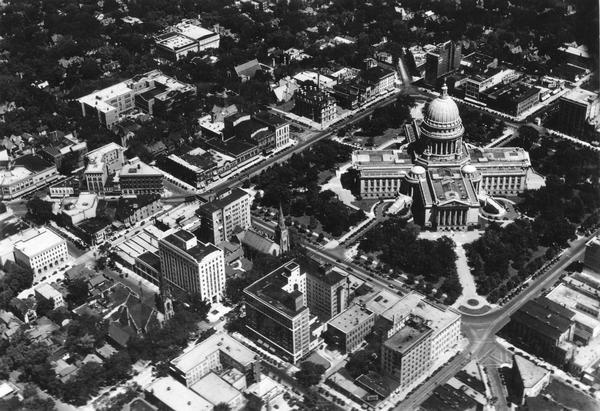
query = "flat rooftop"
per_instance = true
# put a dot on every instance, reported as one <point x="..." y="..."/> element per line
<point x="198" y="251"/>
<point x="138" y="168"/>
<point x="407" y="337"/>
<point x="216" y="342"/>
<point x="44" y="240"/>
<point x="545" y="316"/>
<point x="449" y="184"/>
<point x="378" y="158"/>
<point x="33" y="163"/>
<point x="226" y="198"/>
<point x="351" y="318"/>
<point x="99" y="98"/>
<point x="215" y="389"/>
<point x="177" y="396"/>
<point x="174" y="41"/>
<point x="499" y="155"/>
<point x="580" y="96"/>
<point x="580" y="302"/>
<point x="193" y="31"/>
<point x="270" y="289"/>
<point x="383" y="301"/>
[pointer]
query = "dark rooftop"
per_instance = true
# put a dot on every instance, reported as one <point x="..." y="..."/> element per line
<point x="545" y="316"/>
<point x="376" y="73"/>
<point x="204" y="161"/>
<point x="270" y="118"/>
<point x="269" y="289"/>
<point x="32" y="163"/>
<point x="234" y="147"/>
<point x="150" y="259"/>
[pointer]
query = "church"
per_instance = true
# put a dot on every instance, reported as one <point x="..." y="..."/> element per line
<point x="444" y="179"/>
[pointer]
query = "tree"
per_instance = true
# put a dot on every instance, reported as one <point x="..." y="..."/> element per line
<point x="198" y="305"/>
<point x="222" y="406"/>
<point x="310" y="373"/>
<point x="39" y="211"/>
<point x="78" y="292"/>
<point x="44" y="306"/>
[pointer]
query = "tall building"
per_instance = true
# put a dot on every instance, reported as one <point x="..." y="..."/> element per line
<point x="192" y="266"/>
<point x="576" y="109"/>
<point x="220" y="216"/>
<point x="407" y="355"/>
<point x="282" y="234"/>
<point x="43" y="253"/>
<point x="592" y="254"/>
<point x="277" y="313"/>
<point x="443" y="177"/>
<point x="325" y="291"/>
<point x="314" y="103"/>
<point x="444" y="59"/>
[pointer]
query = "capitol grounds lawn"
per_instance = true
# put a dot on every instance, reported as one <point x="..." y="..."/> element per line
<point x="369" y="142"/>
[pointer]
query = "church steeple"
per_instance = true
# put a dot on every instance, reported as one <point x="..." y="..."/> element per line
<point x="282" y="236"/>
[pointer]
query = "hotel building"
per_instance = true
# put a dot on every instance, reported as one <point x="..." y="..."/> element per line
<point x="192" y="266"/>
<point x="277" y="313"/>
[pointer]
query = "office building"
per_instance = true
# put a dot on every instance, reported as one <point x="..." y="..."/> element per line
<point x="406" y="356"/>
<point x="442" y="177"/>
<point x="42" y="254"/>
<point x="222" y="215"/>
<point x="192" y="266"/>
<point x="349" y="328"/>
<point x="137" y="178"/>
<point x="326" y="292"/>
<point x="380" y="79"/>
<point x="580" y="293"/>
<point x="277" y="314"/>
<point x="591" y="257"/>
<point x="576" y="109"/>
<point x="544" y="328"/>
<point x="477" y="84"/>
<point x="314" y="103"/>
<point x="218" y="352"/>
<point x="514" y="98"/>
<point x="441" y="61"/>
<point x="152" y="92"/>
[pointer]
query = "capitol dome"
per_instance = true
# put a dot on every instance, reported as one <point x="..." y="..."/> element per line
<point x="417" y="170"/>
<point x="442" y="119"/>
<point x="469" y="169"/>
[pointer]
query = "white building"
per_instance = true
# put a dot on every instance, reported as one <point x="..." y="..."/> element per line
<point x="49" y="293"/>
<point x="26" y="174"/>
<point x="184" y="38"/>
<point x="101" y="163"/>
<point x="43" y="253"/>
<point x="192" y="266"/>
